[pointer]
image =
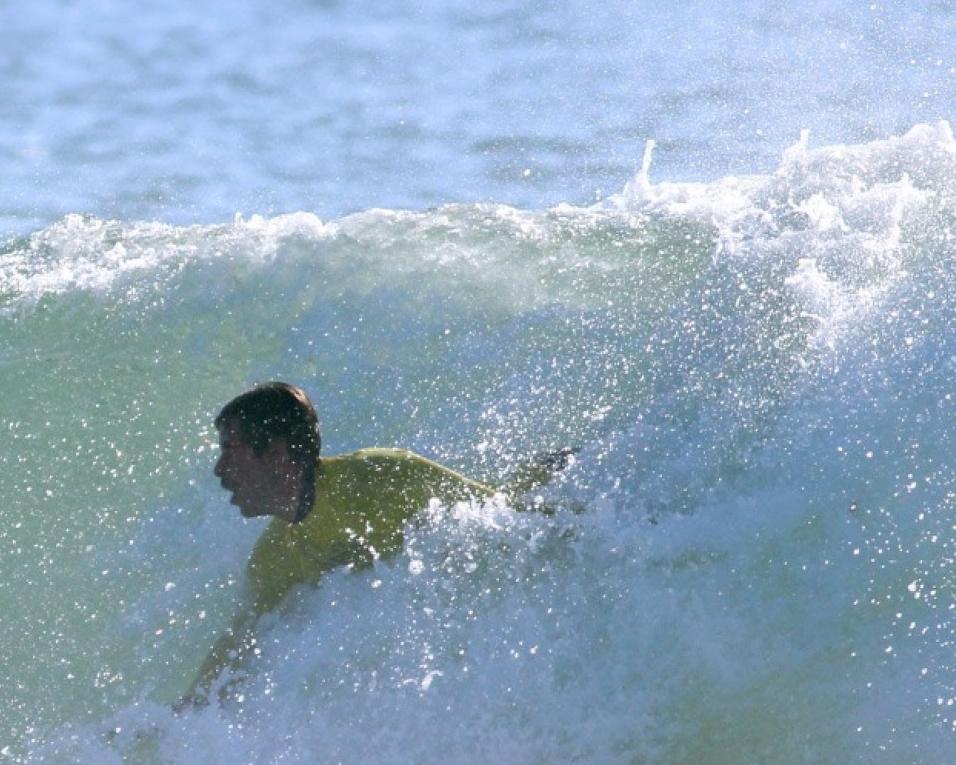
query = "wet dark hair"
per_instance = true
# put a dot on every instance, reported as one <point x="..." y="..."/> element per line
<point x="275" y="410"/>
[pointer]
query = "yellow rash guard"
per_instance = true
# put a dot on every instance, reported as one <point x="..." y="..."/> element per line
<point x="362" y="502"/>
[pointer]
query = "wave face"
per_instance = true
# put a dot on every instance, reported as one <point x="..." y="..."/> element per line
<point x="758" y="372"/>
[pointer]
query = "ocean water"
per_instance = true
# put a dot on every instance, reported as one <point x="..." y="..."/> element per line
<point x="711" y="247"/>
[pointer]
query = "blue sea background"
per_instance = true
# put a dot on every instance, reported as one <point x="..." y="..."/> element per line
<point x="710" y="245"/>
<point x="189" y="113"/>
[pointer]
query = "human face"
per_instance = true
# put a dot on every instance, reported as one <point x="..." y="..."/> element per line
<point x="256" y="482"/>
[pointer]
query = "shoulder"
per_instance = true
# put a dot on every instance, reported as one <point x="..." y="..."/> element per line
<point x="406" y="469"/>
<point x="384" y="454"/>
<point x="376" y="458"/>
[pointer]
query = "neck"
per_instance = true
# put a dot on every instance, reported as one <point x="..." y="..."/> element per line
<point x="287" y="499"/>
<point x="304" y="494"/>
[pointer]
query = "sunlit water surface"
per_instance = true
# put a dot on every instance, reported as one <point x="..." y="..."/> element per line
<point x="451" y="234"/>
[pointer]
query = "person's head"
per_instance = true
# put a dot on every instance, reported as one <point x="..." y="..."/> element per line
<point x="270" y="444"/>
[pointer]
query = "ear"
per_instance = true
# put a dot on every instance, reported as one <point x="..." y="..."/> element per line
<point x="277" y="451"/>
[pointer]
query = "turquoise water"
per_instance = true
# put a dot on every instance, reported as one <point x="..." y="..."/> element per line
<point x="480" y="234"/>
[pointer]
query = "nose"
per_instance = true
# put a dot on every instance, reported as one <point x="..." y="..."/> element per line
<point x="219" y="469"/>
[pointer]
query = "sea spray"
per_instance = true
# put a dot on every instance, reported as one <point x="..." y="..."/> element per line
<point x="751" y="557"/>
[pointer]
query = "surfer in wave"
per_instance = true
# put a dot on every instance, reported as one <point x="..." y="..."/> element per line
<point x="347" y="510"/>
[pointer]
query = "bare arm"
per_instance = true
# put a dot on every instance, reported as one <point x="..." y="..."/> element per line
<point x="230" y="651"/>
